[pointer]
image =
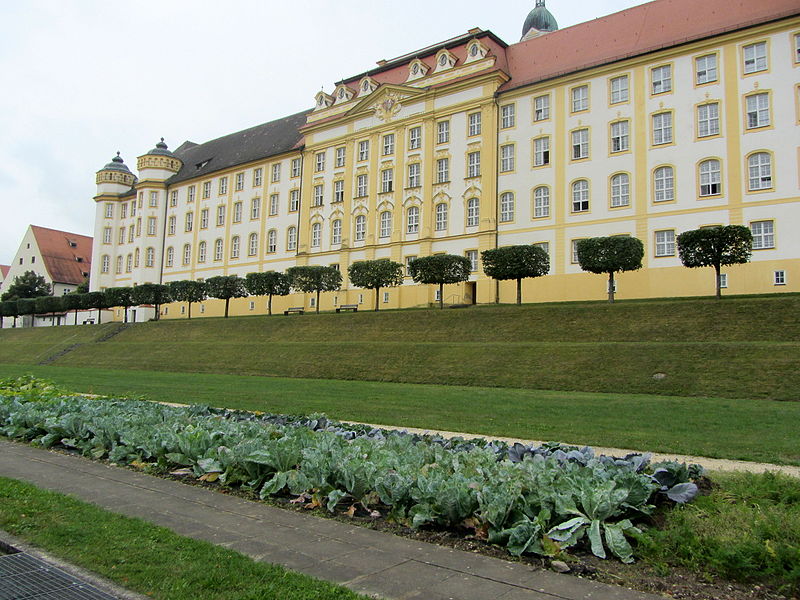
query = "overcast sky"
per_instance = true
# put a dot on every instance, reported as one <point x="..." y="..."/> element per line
<point x="82" y="79"/>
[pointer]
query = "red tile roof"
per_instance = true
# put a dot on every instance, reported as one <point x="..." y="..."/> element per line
<point x="67" y="256"/>
<point x="4" y="269"/>
<point x="639" y="30"/>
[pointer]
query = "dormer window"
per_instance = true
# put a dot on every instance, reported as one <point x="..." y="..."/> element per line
<point x="476" y="51"/>
<point x="444" y="60"/>
<point x="417" y="69"/>
<point x="200" y="165"/>
<point x="343" y="94"/>
<point x="323" y="100"/>
<point x="367" y="86"/>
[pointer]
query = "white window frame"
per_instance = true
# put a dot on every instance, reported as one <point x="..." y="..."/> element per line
<point x="363" y="150"/>
<point x="541" y="108"/>
<point x="665" y="242"/>
<point x="222" y="186"/>
<point x="316" y="235"/>
<point x="202" y="250"/>
<point x="474" y="164"/>
<point x="619" y="89"/>
<point x="204" y="218"/>
<point x="385" y="224"/>
<point x="387" y="181"/>
<point x="759" y="169"/>
<point x="474" y="126"/>
<point x="109" y="210"/>
<point x="274" y="204"/>
<point x="276" y="172"/>
<point x="755" y="57"/>
<point x="336" y="231"/>
<point x="414" y="175"/>
<point x="441" y="216"/>
<point x="620" y="190"/>
<point x="779" y="277"/>
<point x="541" y="151"/>
<point x="442" y="170"/>
<point x="415" y="138"/>
<point x="580" y="98"/>
<point x="661" y="79"/>
<point x="272" y="241"/>
<point x="388" y="144"/>
<point x="239" y="182"/>
<point x="705" y="69"/>
<point x="187" y="254"/>
<point x="294" y="200"/>
<point x="340" y="159"/>
<point x="472" y="256"/>
<point x="757" y="108"/>
<point x="171" y="225"/>
<point x="235" y="244"/>
<point x="506" y="207"/>
<point x="763" y="234"/>
<point x="220" y="215"/>
<point x="473" y="212"/>
<point x="219" y="249"/>
<point x="319" y="161"/>
<point x="580" y="196"/>
<point x="443" y="132"/>
<point x="291" y="238"/>
<point x="507" y="158"/>
<point x="580" y="144"/>
<point x="170" y="258"/>
<point x="662" y="128"/>
<point x="252" y="244"/>
<point x="360" y="228"/>
<point x="237" y="212"/>
<point x="319" y="195"/>
<point x="664" y="184"/>
<point x="297" y="167"/>
<point x="258" y="175"/>
<point x="708" y="119"/>
<point x="361" y="186"/>
<point x="338" y="191"/>
<point x="508" y="117"/>
<point x="541" y="202"/>
<point x="620" y="136"/>
<point x="710" y="172"/>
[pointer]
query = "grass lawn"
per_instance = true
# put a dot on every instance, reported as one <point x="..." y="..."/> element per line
<point x="122" y="549"/>
<point x="756" y="430"/>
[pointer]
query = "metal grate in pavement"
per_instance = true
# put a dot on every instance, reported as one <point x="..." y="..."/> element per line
<point x="24" y="577"/>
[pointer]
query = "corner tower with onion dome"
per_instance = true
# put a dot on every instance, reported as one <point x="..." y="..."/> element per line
<point x="539" y="21"/>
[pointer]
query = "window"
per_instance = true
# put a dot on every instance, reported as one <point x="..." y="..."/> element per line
<point x="409" y="260"/>
<point x="413" y="220"/>
<point x="202" y="247"/>
<point x="661" y="79"/>
<point x="138" y="226"/>
<point x="294" y="200"/>
<point x="473" y="212"/>
<point x="235" y="246"/>
<point x="361" y="228"/>
<point x="760" y="171"/>
<point x="129" y="263"/>
<point x="107" y="235"/>
<point x="708" y="119"/>
<point x="222" y="187"/>
<point x="237" y="212"/>
<point x="255" y="208"/>
<point x="319" y="161"/>
<point x="705" y="69"/>
<point x="363" y="150"/>
<point x="472" y="256"/>
<point x="387" y="180"/>
<point x="386" y="224"/>
<point x="173" y="198"/>
<point x="276" y="172"/>
<point x="662" y="128"/>
<point x="218" y="250"/>
<point x="507" y="116"/>
<point x="207" y="189"/>
<point x="187" y="254"/>
<point x="124" y="211"/>
<point x="580" y="98"/>
<point x="506" y="207"/>
<point x="779" y="277"/>
<point x="442" y="132"/>
<point x="619" y="136"/>
<point x="507" y="158"/>
<point x="239" y="182"/>
<point x="388" y="144"/>
<point x="106" y="264"/>
<point x="385" y="297"/>
<point x="151" y="226"/>
<point x="252" y="244"/>
<point x="620" y="190"/>
<point x="272" y="240"/>
<point x="755" y="57"/>
<point x="221" y="215"/>
<point x="171" y="225"/>
<point x="541" y="108"/>
<point x="665" y="243"/>
<point x="170" y="258"/>
<point x="414" y="138"/>
<point x="723" y="280"/>
<point x="338" y="191"/>
<point x="258" y="175"/>
<point x="187" y="224"/>
<point x="441" y="217"/>
<point x="580" y="196"/>
<point x="541" y="202"/>
<point x="297" y="166"/>
<point x="291" y="238"/>
<point x="619" y="89"/>
<point x="153" y="199"/>
<point x="664" y="178"/>
<point x="121" y="239"/>
<point x="474" y="127"/>
<point x="763" y="234"/>
<point x="319" y="191"/>
<point x="361" y="186"/>
<point x="710" y="178"/>
<point x="413" y="175"/>
<point x="757" y="110"/>
<point x="130" y="231"/>
<point x="204" y="218"/>
<point x="474" y="164"/>
<point x="109" y="210"/>
<point x="541" y="151"/>
<point x="336" y="231"/>
<point x="580" y="144"/>
<point x="574" y="256"/>
<point x="442" y="170"/>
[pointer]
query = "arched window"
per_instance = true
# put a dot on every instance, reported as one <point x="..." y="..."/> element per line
<point x="473" y="212"/>
<point x="149" y="257"/>
<point x="541" y="202"/>
<point x="129" y="263"/>
<point x="187" y="254"/>
<point x="620" y="190"/>
<point x="361" y="228"/>
<point x="272" y="241"/>
<point x="664" y="179"/>
<point x="136" y="255"/>
<point x="760" y="171"/>
<point x="386" y="224"/>
<point x="580" y="196"/>
<point x="119" y="265"/>
<point x="336" y="231"/>
<point x="105" y="264"/>
<point x="710" y="178"/>
<point x="218" y="250"/>
<point x="235" y="242"/>
<point x="316" y="235"/>
<point x="252" y="244"/>
<point x="441" y="216"/>
<point x="506" y="207"/>
<point x="202" y="250"/>
<point x="170" y="256"/>
<point x="291" y="238"/>
<point x="413" y="220"/>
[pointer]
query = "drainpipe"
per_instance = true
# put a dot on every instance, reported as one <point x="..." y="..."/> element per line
<point x="496" y="188"/>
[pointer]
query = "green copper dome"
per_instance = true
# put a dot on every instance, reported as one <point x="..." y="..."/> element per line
<point x="116" y="164"/>
<point x="540" y="19"/>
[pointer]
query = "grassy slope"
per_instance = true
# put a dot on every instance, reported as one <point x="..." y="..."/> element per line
<point x="738" y="348"/>
<point x="696" y="426"/>
<point x="122" y="549"/>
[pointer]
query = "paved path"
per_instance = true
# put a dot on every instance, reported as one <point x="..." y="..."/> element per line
<point x="374" y="563"/>
<point x="711" y="464"/>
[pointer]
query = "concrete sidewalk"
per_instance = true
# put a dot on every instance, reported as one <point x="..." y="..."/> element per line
<point x="370" y="562"/>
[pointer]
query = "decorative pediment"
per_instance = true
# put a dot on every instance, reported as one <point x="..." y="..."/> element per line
<point x="386" y="102"/>
<point x="445" y="60"/>
<point x="441" y="196"/>
<point x="472" y="192"/>
<point x="322" y="100"/>
<point x="384" y="206"/>
<point x="417" y="69"/>
<point x="412" y="200"/>
<point x="367" y="86"/>
<point x="343" y="94"/>
<point x="476" y="50"/>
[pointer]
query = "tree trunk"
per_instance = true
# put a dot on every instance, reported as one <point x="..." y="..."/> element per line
<point x="76" y="316"/>
<point x="717" y="270"/>
<point x="377" y="294"/>
<point x="126" y="314"/>
<point x="611" y="286"/>
<point x="519" y="291"/>
<point x="441" y="296"/>
<point x="269" y="305"/>
<point x="227" y="300"/>
<point x="99" y="316"/>
<point x="190" y="310"/>
<point x="158" y="312"/>
<point x="317" y="301"/>
<point x="14" y="324"/>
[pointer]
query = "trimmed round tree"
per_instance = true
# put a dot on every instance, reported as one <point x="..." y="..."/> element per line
<point x="610" y="255"/>
<point x="269" y="283"/>
<point x="48" y="305"/>
<point x="715" y="247"/>
<point x="97" y="300"/>
<point x="74" y="302"/>
<point x="314" y="279"/>
<point x="155" y="294"/>
<point x="26" y="306"/>
<point x="187" y="290"/>
<point x="120" y="296"/>
<point x="225" y="287"/>
<point x="375" y="274"/>
<point x="440" y="269"/>
<point x="516" y="262"/>
<point x="8" y="308"/>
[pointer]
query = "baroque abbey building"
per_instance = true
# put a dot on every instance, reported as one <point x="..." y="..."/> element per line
<point x="665" y="117"/>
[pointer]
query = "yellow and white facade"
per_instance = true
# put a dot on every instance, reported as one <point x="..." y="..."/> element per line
<point x="471" y="144"/>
